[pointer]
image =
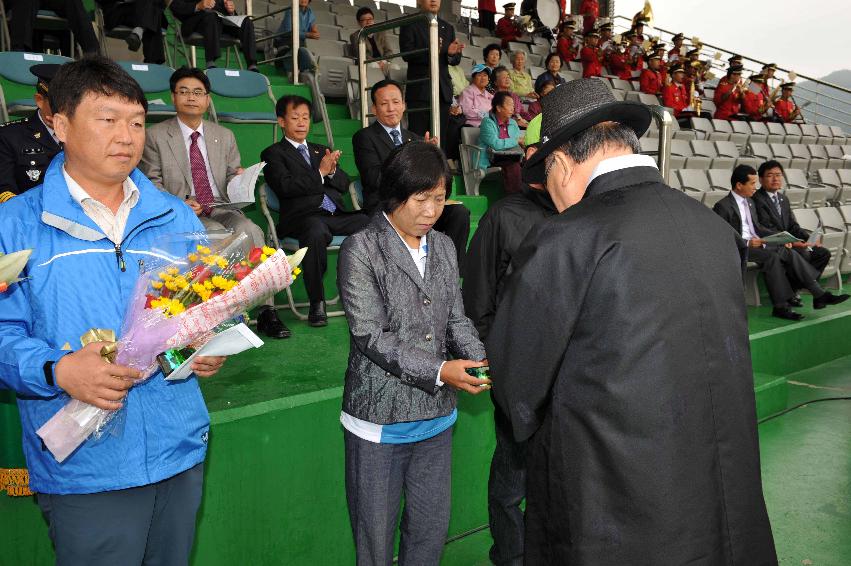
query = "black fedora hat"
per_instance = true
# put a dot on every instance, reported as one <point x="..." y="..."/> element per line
<point x="572" y="108"/>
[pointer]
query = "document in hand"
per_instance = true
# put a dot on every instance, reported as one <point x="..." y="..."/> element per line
<point x="232" y="341"/>
<point x="780" y="238"/>
<point x="235" y="21"/>
<point x="241" y="188"/>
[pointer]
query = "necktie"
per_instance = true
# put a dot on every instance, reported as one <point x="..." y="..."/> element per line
<point x="374" y="46"/>
<point x="200" y="180"/>
<point x="776" y="201"/>
<point x="749" y="220"/>
<point x="397" y="137"/>
<point x="327" y="203"/>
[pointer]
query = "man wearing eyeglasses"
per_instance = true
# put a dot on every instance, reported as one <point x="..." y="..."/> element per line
<point x="195" y="160"/>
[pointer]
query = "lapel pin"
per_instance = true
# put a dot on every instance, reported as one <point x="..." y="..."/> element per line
<point x="37" y="135"/>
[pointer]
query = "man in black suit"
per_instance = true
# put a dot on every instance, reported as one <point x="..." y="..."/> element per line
<point x="775" y="213"/>
<point x="780" y="266"/>
<point x="203" y="16"/>
<point x="146" y="17"/>
<point x="25" y="13"/>
<point x="418" y="95"/>
<point x="28" y="146"/>
<point x="374" y="143"/>
<point x="310" y="187"/>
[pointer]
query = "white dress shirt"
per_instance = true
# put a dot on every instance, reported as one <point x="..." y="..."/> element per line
<point x="112" y="225"/>
<point x="48" y="128"/>
<point x="187" y="132"/>
<point x="389" y="129"/>
<point x="621" y="162"/>
<point x="748" y="230"/>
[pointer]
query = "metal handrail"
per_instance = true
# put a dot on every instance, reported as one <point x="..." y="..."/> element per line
<point x="664" y="121"/>
<point x="434" y="71"/>
<point x="319" y="102"/>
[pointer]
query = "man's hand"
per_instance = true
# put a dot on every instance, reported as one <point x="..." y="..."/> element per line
<point x="196" y="208"/>
<point x="455" y="47"/>
<point x="329" y="162"/>
<point x="86" y="376"/>
<point x="229" y="7"/>
<point x="431" y="140"/>
<point x="207" y="366"/>
<point x="205" y="5"/>
<point x="240" y="170"/>
<point x="455" y="110"/>
<point x="756" y="243"/>
<point x="453" y="373"/>
<point x="522" y="123"/>
<point x="533" y="95"/>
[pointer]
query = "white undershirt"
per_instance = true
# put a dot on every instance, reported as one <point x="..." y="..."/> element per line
<point x="112" y="225"/>
<point x="748" y="230"/>
<point x="621" y="162"/>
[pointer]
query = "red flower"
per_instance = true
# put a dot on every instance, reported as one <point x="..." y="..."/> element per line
<point x="201" y="273"/>
<point x="148" y="299"/>
<point x="240" y="272"/>
<point x="254" y="255"/>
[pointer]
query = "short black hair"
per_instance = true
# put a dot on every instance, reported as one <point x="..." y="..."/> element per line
<point x="499" y="99"/>
<point x="768" y="165"/>
<point x="607" y="134"/>
<point x="547" y="81"/>
<point x="497" y="70"/>
<point x="547" y="60"/>
<point x="93" y="74"/>
<point x="363" y="11"/>
<point x="291" y="101"/>
<point x="410" y="169"/>
<point x="490" y="47"/>
<point x="741" y="174"/>
<point x="383" y="84"/>
<point x="188" y="73"/>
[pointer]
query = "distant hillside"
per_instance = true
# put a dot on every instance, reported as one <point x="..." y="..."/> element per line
<point x="823" y="110"/>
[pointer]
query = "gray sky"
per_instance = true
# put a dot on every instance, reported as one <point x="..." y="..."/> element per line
<point x="812" y="38"/>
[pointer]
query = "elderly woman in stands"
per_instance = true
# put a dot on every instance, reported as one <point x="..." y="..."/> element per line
<point x="553" y="65"/>
<point x="521" y="80"/>
<point x="475" y="100"/>
<point x="500" y="141"/>
<point x="502" y="81"/>
<point x="410" y="348"/>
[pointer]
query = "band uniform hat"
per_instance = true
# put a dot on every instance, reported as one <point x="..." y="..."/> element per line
<point x="572" y="108"/>
<point x="607" y="26"/>
<point x="592" y="34"/>
<point x="676" y="68"/>
<point x="735" y="69"/>
<point x="734" y="58"/>
<point x="757" y="79"/>
<point x="510" y="6"/>
<point x="652" y="55"/>
<point x="44" y="73"/>
<point x="770" y="66"/>
<point x="691" y="52"/>
<point x="784" y="86"/>
<point x="678" y="36"/>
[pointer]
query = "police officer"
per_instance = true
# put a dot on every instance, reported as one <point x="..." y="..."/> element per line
<point x="27" y="146"/>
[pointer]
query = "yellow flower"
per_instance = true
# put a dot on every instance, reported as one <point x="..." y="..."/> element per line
<point x="163" y="275"/>
<point x="296" y="271"/>
<point x="171" y="285"/>
<point x="172" y="271"/>
<point x="220" y="261"/>
<point x="157" y="285"/>
<point x="203" y="249"/>
<point x="220" y="282"/>
<point x="268" y="251"/>
<point x="181" y="282"/>
<point x="209" y="285"/>
<point x="201" y="291"/>
<point x="263" y="258"/>
<point x="193" y="257"/>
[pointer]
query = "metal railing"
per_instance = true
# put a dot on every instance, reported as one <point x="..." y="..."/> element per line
<point x="434" y="72"/>
<point x="664" y="121"/>
<point x="825" y="94"/>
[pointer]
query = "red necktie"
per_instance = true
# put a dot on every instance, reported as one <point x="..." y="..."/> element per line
<point x="200" y="181"/>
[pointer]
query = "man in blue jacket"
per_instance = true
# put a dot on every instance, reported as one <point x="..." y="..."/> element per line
<point x="129" y="498"/>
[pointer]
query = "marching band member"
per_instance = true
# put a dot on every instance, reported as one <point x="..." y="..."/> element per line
<point x="675" y="95"/>
<point x="591" y="56"/>
<point x="785" y="109"/>
<point x="754" y="103"/>
<point x="728" y="94"/>
<point x="651" y="78"/>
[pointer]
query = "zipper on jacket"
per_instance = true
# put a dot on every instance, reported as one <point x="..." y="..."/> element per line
<point x="119" y="257"/>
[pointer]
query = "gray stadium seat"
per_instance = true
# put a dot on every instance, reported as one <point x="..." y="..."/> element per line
<point x="703" y="127"/>
<point x="782" y="154"/>
<point x="709" y="106"/>
<point x="800" y="156"/>
<point x="796" y="188"/>
<point x="760" y="150"/>
<point x="726" y="149"/>
<point x="776" y="132"/>
<point x="703" y="155"/>
<point x="680" y="151"/>
<point x="825" y="136"/>
<point x="323" y="17"/>
<point x="834" y="238"/>
<point x="721" y="130"/>
<point x="695" y="182"/>
<point x="470" y="153"/>
<point x="759" y="132"/>
<point x="621" y="84"/>
<point x="793" y="133"/>
<point x="839" y="135"/>
<point x="741" y="133"/>
<point x="333" y="75"/>
<point x="818" y="157"/>
<point x="719" y="179"/>
<point x="830" y="178"/>
<point x="844" y="177"/>
<point x="809" y="134"/>
<point x="325" y="47"/>
<point x="347" y="21"/>
<point x="835" y="157"/>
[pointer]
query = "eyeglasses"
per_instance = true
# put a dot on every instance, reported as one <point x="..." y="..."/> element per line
<point x="185" y="92"/>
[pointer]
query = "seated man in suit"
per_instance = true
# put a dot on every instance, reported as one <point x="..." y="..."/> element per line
<point x="310" y="187"/>
<point x="146" y="17"/>
<point x="783" y="268"/>
<point x="376" y="44"/>
<point x="195" y="160"/>
<point x="204" y="17"/>
<point x="25" y="12"/>
<point x="775" y="213"/>
<point x="374" y="143"/>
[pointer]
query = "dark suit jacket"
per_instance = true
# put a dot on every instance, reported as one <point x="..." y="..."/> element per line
<point x="727" y="209"/>
<point x="26" y="149"/>
<point x="415" y="36"/>
<point x="183" y="9"/>
<point x="770" y="220"/>
<point x="300" y="188"/>
<point x="371" y="146"/>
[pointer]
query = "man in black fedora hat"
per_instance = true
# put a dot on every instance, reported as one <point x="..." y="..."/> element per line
<point x="620" y="349"/>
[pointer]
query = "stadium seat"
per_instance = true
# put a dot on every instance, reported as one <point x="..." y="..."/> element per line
<point x="709" y="106"/>
<point x="776" y="132"/>
<point x="17" y="83"/>
<point x="839" y="135"/>
<point x="719" y="179"/>
<point x="650" y="146"/>
<point x="621" y="84"/>
<point x="759" y="132"/>
<point x="818" y="157"/>
<point x="703" y="155"/>
<point x="347" y="21"/>
<point x="800" y="156"/>
<point x="518" y="46"/>
<point x="760" y="150"/>
<point x="830" y="179"/>
<point x="680" y="151"/>
<point x="696" y="181"/>
<point x="324" y="18"/>
<point x="726" y="149"/>
<point x="835" y="157"/>
<point x="677" y="133"/>
<point x="119" y="32"/>
<point x="809" y="134"/>
<point x="721" y="130"/>
<point x="619" y="95"/>
<point x="834" y="238"/>
<point x="796" y="190"/>
<point x="327" y="47"/>
<point x="817" y="195"/>
<point x="703" y="127"/>
<point x="195" y="39"/>
<point x="154" y="80"/>
<point x="344" y="8"/>
<point x="333" y="75"/>
<point x="356" y="194"/>
<point x="482" y="41"/>
<point x="741" y="133"/>
<point x="825" y="136"/>
<point x="782" y="154"/>
<point x="470" y="154"/>
<point x="538" y="49"/>
<point x="793" y="134"/>
<point x="844" y="177"/>
<point x="269" y="204"/>
<point x="326" y="33"/>
<point x="241" y="97"/>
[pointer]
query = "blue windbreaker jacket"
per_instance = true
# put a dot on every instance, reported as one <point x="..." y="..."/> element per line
<point x="76" y="282"/>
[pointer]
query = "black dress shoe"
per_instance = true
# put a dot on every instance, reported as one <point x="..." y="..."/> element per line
<point x="134" y="42"/>
<point x="785" y="313"/>
<point x="795" y="302"/>
<point x="317" y="316"/>
<point x="270" y="325"/>
<point x="828" y="299"/>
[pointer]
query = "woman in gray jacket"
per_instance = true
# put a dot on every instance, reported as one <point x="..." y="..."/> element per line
<point x="398" y="281"/>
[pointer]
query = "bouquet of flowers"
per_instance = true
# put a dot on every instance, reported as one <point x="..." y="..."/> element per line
<point x="11" y="266"/>
<point x="179" y="300"/>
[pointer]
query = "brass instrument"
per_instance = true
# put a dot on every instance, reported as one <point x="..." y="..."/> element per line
<point x="694" y="98"/>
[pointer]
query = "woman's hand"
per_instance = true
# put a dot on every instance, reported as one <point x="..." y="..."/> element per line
<point x="454" y="374"/>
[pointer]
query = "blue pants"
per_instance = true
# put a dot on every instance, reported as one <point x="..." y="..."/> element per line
<point x="152" y="525"/>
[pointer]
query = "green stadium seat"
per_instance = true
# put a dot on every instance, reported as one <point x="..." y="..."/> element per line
<point x="154" y="80"/>
<point x="17" y="83"/>
<point x="241" y="97"/>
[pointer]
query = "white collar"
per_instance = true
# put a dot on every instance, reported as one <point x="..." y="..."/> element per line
<point x="187" y="131"/>
<point x="423" y="249"/>
<point x="79" y="194"/>
<point x="296" y="144"/>
<point x="739" y="198"/>
<point x="388" y="129"/>
<point x="621" y="162"/>
<point x="46" y="127"/>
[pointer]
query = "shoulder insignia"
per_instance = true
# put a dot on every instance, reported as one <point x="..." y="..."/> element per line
<point x="6" y="195"/>
<point x="18" y="121"/>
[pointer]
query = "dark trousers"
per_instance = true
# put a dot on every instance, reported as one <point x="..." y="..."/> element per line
<point x="24" y="14"/>
<point x="784" y="271"/>
<point x="450" y="127"/>
<point x="315" y="233"/>
<point x="818" y="257"/>
<point x="487" y="20"/>
<point x="376" y="477"/>
<point x="455" y="223"/>
<point x="506" y="490"/>
<point x="152" y="525"/>
<point x="148" y="15"/>
<point x="209" y="25"/>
